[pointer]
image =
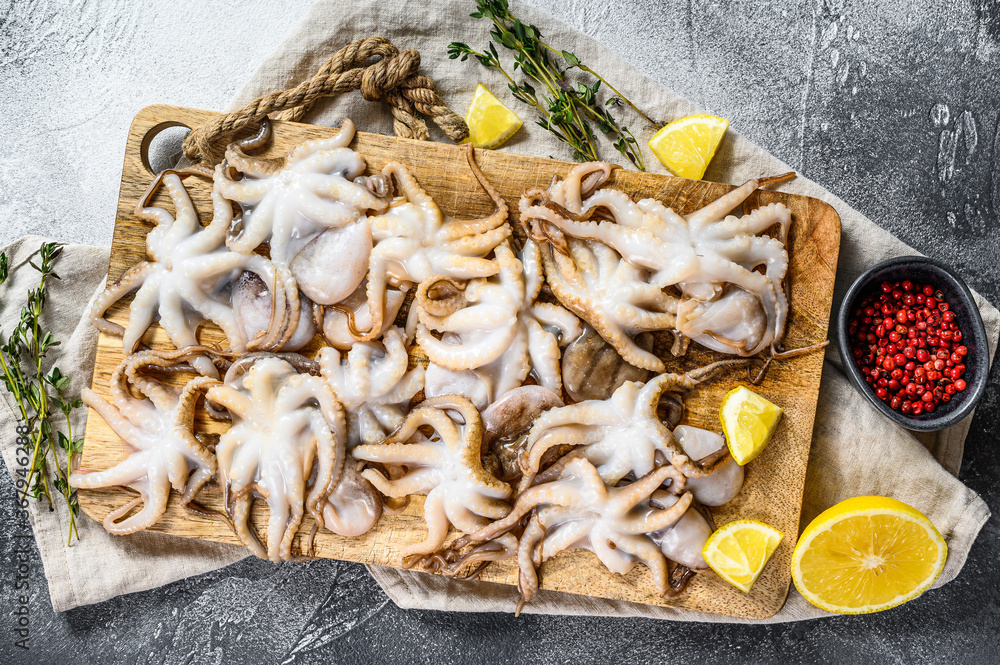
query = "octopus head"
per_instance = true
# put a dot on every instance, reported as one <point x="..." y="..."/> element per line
<point x="735" y="322"/>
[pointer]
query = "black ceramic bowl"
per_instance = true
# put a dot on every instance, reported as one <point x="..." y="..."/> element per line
<point x="926" y="271"/>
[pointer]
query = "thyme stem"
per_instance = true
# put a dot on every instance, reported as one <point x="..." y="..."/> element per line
<point x="35" y="392"/>
<point x="603" y="80"/>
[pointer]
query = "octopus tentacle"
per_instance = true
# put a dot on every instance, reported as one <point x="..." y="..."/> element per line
<point x="376" y="289"/>
<point x="633" y="494"/>
<point x="549" y="315"/>
<point x="580" y="182"/>
<point x="462" y="266"/>
<point x="755" y="222"/>
<point x="342" y="139"/>
<point x="206" y="462"/>
<point x="285" y="307"/>
<point x="337" y="213"/>
<point x="330" y="460"/>
<point x="467" y="355"/>
<point x="662" y="519"/>
<point x="240" y="514"/>
<point x="140" y="412"/>
<point x="473" y="245"/>
<point x="719" y="207"/>
<point x="563" y="530"/>
<point x="248" y="234"/>
<point x="255" y="167"/>
<point x="437" y="526"/>
<point x="418" y="481"/>
<point x="527" y="579"/>
<point x="174" y="323"/>
<point x="153" y="506"/>
<point x="161" y="396"/>
<point x="543" y="349"/>
<point x="130" y="470"/>
<point x="132" y="279"/>
<point x="121" y="425"/>
<point x="649" y="554"/>
<point x="169" y="229"/>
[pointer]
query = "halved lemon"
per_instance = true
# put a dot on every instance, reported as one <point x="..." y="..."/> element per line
<point x="739" y="551"/>
<point x="867" y="554"/>
<point x="748" y="421"/>
<point x="686" y="146"/>
<point x="490" y="122"/>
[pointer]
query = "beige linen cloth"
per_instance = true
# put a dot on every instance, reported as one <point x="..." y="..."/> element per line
<point x="855" y="450"/>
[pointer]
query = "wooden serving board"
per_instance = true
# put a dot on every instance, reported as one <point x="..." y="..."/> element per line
<point x="774" y="481"/>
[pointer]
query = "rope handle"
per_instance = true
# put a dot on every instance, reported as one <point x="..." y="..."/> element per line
<point x="393" y="78"/>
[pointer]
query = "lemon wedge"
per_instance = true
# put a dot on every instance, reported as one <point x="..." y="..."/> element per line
<point x="490" y="122"/>
<point x="867" y="554"/>
<point x="739" y="551"/>
<point x="686" y="146"/>
<point x="748" y="421"/>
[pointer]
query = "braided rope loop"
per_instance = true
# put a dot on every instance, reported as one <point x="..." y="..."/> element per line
<point x="393" y="78"/>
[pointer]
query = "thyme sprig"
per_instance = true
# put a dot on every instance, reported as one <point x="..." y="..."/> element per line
<point x="41" y="396"/>
<point x="566" y="109"/>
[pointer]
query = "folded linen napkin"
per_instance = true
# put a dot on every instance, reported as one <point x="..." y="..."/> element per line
<point x="847" y="452"/>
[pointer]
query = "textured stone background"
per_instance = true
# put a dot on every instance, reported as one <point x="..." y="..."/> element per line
<point x="891" y="105"/>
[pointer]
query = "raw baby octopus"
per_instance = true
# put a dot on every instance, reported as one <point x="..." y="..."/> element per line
<point x="158" y="431"/>
<point x="415" y="240"/>
<point x="577" y="510"/>
<point x="289" y="201"/>
<point x="373" y="385"/>
<point x="310" y="207"/>
<point x="188" y="278"/>
<point x="286" y="444"/>
<point x="493" y="328"/>
<point x="353" y="507"/>
<point x="708" y="256"/>
<point x="622" y="435"/>
<point x="446" y="467"/>
<point x="591" y="280"/>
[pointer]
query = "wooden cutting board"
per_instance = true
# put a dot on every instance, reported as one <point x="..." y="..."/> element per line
<point x="774" y="481"/>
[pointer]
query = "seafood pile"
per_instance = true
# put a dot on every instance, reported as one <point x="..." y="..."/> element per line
<point x="540" y="421"/>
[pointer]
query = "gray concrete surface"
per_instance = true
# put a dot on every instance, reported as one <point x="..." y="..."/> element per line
<point x="891" y="104"/>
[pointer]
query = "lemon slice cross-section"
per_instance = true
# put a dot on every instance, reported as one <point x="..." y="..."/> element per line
<point x="739" y="550"/>
<point x="490" y="123"/>
<point x="686" y="146"/>
<point x="867" y="554"/>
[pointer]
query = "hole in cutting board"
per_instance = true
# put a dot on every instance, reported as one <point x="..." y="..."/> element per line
<point x="161" y="146"/>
